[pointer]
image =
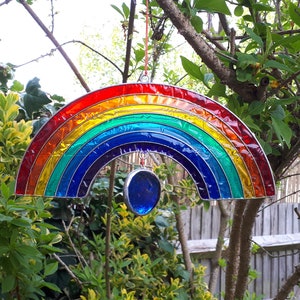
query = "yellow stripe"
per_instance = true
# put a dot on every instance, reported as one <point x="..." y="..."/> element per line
<point x="98" y="114"/>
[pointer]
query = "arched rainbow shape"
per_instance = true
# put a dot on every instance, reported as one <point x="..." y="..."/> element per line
<point x="220" y="153"/>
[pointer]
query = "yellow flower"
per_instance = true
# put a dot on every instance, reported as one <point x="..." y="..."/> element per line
<point x="274" y="84"/>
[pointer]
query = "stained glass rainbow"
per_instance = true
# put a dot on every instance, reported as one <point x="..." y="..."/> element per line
<point x="220" y="153"/>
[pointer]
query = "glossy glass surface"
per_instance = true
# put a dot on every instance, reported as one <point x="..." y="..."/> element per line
<point x="205" y="137"/>
<point x="141" y="191"/>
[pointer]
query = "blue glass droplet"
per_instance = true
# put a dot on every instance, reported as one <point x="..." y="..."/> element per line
<point x="141" y="191"/>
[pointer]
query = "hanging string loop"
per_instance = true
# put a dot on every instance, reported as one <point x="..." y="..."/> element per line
<point x="145" y="77"/>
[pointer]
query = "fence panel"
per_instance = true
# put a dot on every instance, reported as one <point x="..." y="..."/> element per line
<point x="273" y="264"/>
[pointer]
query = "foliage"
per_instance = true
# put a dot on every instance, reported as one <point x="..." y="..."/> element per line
<point x="264" y="57"/>
<point x="143" y="260"/>
<point x="14" y="137"/>
<point x="142" y="249"/>
<point x="25" y="238"/>
<point x="25" y="242"/>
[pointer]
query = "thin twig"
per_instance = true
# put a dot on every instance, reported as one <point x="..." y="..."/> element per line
<point x="288" y="176"/>
<point x="212" y="40"/>
<point x="5" y="2"/>
<point x="81" y="259"/>
<point x="108" y="227"/>
<point x="279" y="200"/>
<point x="271" y="255"/>
<point x="52" y="16"/>
<point x="67" y="269"/>
<point x="50" y="53"/>
<point x="56" y="43"/>
<point x="240" y="37"/>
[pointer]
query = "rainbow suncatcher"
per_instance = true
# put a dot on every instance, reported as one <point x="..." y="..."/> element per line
<point x="217" y="149"/>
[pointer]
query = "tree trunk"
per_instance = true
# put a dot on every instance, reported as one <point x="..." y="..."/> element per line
<point x="219" y="247"/>
<point x="233" y="250"/>
<point x="248" y="220"/>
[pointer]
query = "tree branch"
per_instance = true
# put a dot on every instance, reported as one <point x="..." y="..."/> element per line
<point x="288" y="285"/>
<point x="224" y="218"/>
<point x="5" y="2"/>
<point x="181" y="234"/>
<point x="227" y="75"/>
<point x="206" y="52"/>
<point x="233" y="250"/>
<point x="129" y="40"/>
<point x="56" y="43"/>
<point x="248" y="220"/>
<point x="200" y="46"/>
<point x="67" y="269"/>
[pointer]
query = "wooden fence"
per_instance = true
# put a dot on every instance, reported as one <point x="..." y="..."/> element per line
<point x="277" y="231"/>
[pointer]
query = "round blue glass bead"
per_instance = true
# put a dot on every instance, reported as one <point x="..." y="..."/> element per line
<point x="141" y="191"/>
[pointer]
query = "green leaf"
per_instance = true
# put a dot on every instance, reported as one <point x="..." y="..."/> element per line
<point x="245" y="60"/>
<point x="266" y="146"/>
<point x="243" y="75"/>
<point x="139" y="54"/>
<point x="125" y="263"/>
<point x="4" y="218"/>
<point x="292" y="42"/>
<point x="251" y="123"/>
<point x="49" y="249"/>
<point x="197" y="23"/>
<point x="269" y="41"/>
<point x="262" y="7"/>
<point x="126" y="10"/>
<point x="118" y="10"/>
<point x="5" y="191"/>
<point x="161" y="221"/>
<point x="256" y="108"/>
<point x="166" y="246"/>
<point x="278" y="112"/>
<point x="50" y="268"/>
<point x="283" y="131"/>
<point x="238" y="11"/>
<point x="219" y="6"/>
<point x="255" y="37"/>
<point x="294" y="13"/>
<point x="206" y="205"/>
<point x="169" y="188"/>
<point x="191" y="68"/>
<point x="277" y="65"/>
<point x="17" y="86"/>
<point x="51" y="286"/>
<point x="286" y="101"/>
<point x="22" y="222"/>
<point x="222" y="262"/>
<point x="8" y="283"/>
<point x="3" y="250"/>
<point x="218" y="89"/>
<point x="28" y="250"/>
<point x="180" y="271"/>
<point x="253" y="274"/>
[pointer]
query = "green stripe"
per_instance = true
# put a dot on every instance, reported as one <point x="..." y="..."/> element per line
<point x="208" y="141"/>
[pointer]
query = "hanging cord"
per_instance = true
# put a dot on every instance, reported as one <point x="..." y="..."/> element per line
<point x="143" y="157"/>
<point x="144" y="77"/>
